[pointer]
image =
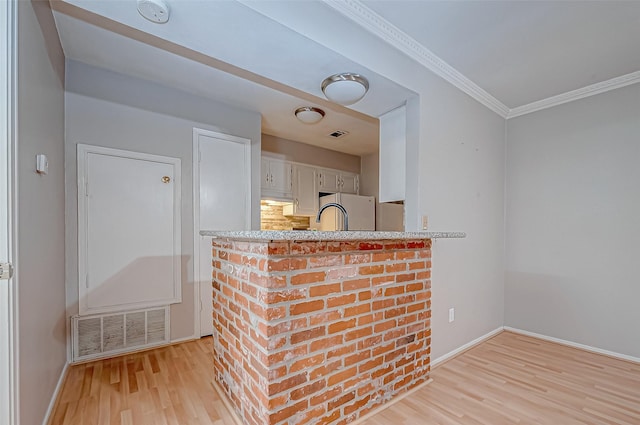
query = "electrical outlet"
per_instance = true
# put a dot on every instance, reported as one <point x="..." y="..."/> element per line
<point x="452" y="314"/>
<point x="425" y="222"/>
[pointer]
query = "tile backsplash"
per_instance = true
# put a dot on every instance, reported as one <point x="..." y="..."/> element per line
<point x="271" y="217"/>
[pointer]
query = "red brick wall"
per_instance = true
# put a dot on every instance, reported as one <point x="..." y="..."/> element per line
<point x="320" y="332"/>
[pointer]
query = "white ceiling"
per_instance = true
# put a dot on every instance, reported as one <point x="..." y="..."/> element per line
<point x="516" y="52"/>
<point x="524" y="51"/>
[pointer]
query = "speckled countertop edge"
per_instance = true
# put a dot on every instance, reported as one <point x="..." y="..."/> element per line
<point x="306" y="235"/>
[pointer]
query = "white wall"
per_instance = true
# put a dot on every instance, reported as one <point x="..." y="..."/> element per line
<point x="40" y="198"/>
<point x="573" y="228"/>
<point x="104" y="108"/>
<point x="455" y="174"/>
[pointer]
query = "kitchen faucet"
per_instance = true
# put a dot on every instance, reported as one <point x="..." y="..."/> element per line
<point x="345" y="222"/>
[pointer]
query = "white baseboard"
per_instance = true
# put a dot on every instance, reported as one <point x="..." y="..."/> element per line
<point x="574" y="345"/>
<point x="56" y="393"/>
<point x="184" y="339"/>
<point x="466" y="346"/>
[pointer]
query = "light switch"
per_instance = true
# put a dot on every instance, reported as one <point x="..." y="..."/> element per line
<point x="42" y="164"/>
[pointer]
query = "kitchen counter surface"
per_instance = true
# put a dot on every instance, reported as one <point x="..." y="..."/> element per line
<point x="307" y="235"/>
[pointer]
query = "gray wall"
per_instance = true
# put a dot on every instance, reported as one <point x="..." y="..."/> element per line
<point x="573" y="229"/>
<point x="460" y="186"/>
<point x="40" y="203"/>
<point x="369" y="173"/>
<point x="107" y="109"/>
<point x="308" y="154"/>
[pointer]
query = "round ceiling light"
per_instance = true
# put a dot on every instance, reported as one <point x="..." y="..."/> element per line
<point x="156" y="11"/>
<point x="309" y="114"/>
<point x="346" y="88"/>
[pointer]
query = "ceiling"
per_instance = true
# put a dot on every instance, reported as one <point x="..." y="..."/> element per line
<point x="525" y="51"/>
<point x="514" y="53"/>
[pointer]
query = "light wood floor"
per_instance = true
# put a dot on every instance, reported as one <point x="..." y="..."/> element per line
<point x="514" y="379"/>
<point x="166" y="386"/>
<point x="509" y="379"/>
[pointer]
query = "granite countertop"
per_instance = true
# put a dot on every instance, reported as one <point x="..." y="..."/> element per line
<point x="310" y="235"/>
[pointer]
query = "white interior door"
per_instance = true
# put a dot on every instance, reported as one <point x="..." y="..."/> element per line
<point x="223" y="202"/>
<point x="8" y="401"/>
<point x="129" y="230"/>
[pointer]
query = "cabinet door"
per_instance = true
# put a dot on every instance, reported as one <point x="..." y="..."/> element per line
<point x="265" y="181"/>
<point x="276" y="178"/>
<point x="349" y="183"/>
<point x="305" y="191"/>
<point x="328" y="180"/>
<point x="280" y="176"/>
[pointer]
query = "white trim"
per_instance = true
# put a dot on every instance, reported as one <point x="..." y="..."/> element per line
<point x="195" y="166"/>
<point x="376" y="24"/>
<point x="466" y="346"/>
<point x="183" y="339"/>
<point x="574" y="345"/>
<point x="56" y="394"/>
<point x="570" y="96"/>
<point x="10" y="411"/>
<point x="197" y="132"/>
<point x="82" y="155"/>
<point x="391" y="402"/>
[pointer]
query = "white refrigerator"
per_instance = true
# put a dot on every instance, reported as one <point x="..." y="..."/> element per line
<point x="361" y="210"/>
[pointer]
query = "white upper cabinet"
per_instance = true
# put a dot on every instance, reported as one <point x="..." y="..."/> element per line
<point x="393" y="161"/>
<point x="334" y="181"/>
<point x="305" y="191"/>
<point x="276" y="178"/>
<point x="350" y="183"/>
<point x="328" y="180"/>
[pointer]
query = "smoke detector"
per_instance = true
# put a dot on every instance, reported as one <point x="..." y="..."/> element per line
<point x="156" y="11"/>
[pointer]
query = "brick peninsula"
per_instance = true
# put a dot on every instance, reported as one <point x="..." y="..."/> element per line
<point x="320" y="327"/>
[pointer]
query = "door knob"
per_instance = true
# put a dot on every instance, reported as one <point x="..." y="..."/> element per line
<point x="166" y="179"/>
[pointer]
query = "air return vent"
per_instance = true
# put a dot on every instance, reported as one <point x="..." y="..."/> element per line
<point x="338" y="133"/>
<point x="108" y="334"/>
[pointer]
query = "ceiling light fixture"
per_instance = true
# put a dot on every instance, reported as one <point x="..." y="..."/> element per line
<point x="346" y="88"/>
<point x="309" y="114"/>
<point x="155" y="11"/>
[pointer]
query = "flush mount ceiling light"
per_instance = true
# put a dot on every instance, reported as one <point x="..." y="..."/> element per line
<point x="346" y="88"/>
<point x="309" y="114"/>
<point x="156" y="11"/>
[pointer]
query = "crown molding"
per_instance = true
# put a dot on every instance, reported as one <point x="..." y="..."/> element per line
<point x="376" y="24"/>
<point x="593" y="89"/>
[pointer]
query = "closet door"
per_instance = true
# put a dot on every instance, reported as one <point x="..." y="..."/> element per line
<point x="129" y="230"/>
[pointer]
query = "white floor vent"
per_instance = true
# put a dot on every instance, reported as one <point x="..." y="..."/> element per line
<point x="104" y="335"/>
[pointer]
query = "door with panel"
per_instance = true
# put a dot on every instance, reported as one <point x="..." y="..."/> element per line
<point x="129" y="249"/>
<point x="222" y="197"/>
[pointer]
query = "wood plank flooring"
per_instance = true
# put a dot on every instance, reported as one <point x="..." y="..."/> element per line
<point x="515" y="379"/>
<point x="509" y="379"/>
<point x="165" y="386"/>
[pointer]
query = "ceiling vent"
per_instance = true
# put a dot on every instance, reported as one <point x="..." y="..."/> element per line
<point x="338" y="133"/>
